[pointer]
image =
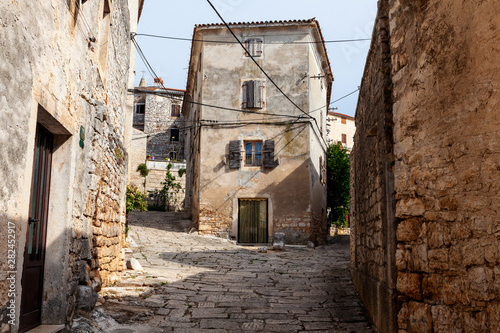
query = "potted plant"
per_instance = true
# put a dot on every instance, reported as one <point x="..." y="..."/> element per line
<point x="148" y="157"/>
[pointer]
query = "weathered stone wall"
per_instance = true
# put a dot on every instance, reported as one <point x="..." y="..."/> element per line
<point x="444" y="61"/>
<point x="157" y="122"/>
<point x="52" y="72"/>
<point x="372" y="203"/>
<point x="137" y="156"/>
<point x="157" y="172"/>
<point x="292" y="187"/>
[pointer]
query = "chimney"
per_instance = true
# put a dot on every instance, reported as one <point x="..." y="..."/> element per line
<point x="142" y="83"/>
<point x="158" y="82"/>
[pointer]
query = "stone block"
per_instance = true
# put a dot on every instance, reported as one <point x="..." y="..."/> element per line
<point x="410" y="284"/>
<point x="278" y="246"/>
<point x="408" y="230"/>
<point x="420" y="318"/>
<point x="438" y="259"/>
<point x="132" y="263"/>
<point x="432" y="287"/>
<point x="86" y="298"/>
<point x="481" y="283"/>
<point x="410" y="208"/>
<point x="473" y="253"/>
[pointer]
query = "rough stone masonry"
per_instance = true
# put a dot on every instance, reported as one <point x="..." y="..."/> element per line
<point x="426" y="201"/>
<point x="64" y="67"/>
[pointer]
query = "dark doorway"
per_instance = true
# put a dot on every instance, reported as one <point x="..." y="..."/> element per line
<point x="252" y="221"/>
<point x="34" y="252"/>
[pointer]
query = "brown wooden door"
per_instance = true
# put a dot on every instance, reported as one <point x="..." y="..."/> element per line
<point x="252" y="221"/>
<point x="34" y="252"/>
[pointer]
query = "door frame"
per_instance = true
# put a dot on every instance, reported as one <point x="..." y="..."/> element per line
<point x="42" y="198"/>
<point x="236" y="213"/>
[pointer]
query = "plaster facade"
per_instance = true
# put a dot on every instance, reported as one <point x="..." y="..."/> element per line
<point x="64" y="67"/>
<point x="219" y="174"/>
<point x="340" y="128"/>
<point x="425" y="219"/>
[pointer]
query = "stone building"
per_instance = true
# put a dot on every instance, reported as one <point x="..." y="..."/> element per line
<point x="157" y="113"/>
<point x="63" y="77"/>
<point x="159" y="132"/>
<point x="340" y="128"/>
<point x="256" y="164"/>
<point x="425" y="222"/>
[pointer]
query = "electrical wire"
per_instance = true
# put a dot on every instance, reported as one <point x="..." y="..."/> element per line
<point x="272" y="81"/>
<point x="255" y="61"/>
<point x="231" y="42"/>
<point x="335" y="101"/>
<point x="152" y="72"/>
<point x="160" y="93"/>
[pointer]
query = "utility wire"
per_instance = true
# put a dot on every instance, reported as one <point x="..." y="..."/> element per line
<point x="160" y="93"/>
<point x="265" y="73"/>
<point x="335" y="101"/>
<point x="255" y="61"/>
<point x="231" y="42"/>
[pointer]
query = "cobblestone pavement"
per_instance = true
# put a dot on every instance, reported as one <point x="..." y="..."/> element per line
<point x="193" y="283"/>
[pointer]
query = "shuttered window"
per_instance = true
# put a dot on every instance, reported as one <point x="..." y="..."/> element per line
<point x="253" y="153"/>
<point x="344" y="138"/>
<point x="253" y="94"/>
<point x="256" y="153"/>
<point x="175" y="110"/>
<point x="254" y="47"/>
<point x="234" y="154"/>
<point x="269" y="162"/>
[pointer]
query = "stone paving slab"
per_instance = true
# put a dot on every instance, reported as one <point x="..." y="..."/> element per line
<point x="193" y="283"/>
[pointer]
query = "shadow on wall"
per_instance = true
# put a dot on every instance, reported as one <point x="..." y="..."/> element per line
<point x="57" y="298"/>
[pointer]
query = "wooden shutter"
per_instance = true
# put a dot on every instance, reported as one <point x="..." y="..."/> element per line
<point x="234" y="154"/>
<point x="244" y="98"/>
<point x="344" y="138"/>
<point x="269" y="154"/>
<point x="258" y="47"/>
<point x="259" y="94"/>
<point x="251" y="94"/>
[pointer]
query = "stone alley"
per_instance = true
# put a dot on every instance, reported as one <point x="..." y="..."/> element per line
<point x="192" y="283"/>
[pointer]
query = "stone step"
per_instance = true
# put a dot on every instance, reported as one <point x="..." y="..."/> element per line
<point x="47" y="329"/>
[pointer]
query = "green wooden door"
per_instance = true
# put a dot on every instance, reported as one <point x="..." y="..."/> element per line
<point x="252" y="221"/>
<point x="34" y="253"/>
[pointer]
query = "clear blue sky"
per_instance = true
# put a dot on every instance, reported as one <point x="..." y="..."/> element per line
<point x="338" y="20"/>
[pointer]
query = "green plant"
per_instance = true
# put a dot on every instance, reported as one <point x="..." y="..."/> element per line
<point x="168" y="193"/>
<point x="143" y="169"/>
<point x="136" y="200"/>
<point x="120" y="156"/>
<point x="338" y="184"/>
<point x="154" y="207"/>
<point x="182" y="172"/>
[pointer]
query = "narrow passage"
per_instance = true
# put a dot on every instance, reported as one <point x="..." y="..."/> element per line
<point x="192" y="283"/>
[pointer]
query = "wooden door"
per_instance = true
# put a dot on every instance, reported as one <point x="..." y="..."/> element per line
<point x="34" y="252"/>
<point x="252" y="221"/>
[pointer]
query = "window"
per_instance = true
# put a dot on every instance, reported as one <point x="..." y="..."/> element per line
<point x="174" y="135"/>
<point x="254" y="47"/>
<point x="140" y="108"/>
<point x="257" y="153"/>
<point x="343" y="120"/>
<point x="344" y="138"/>
<point x="253" y="94"/>
<point x="175" y="110"/>
<point x="104" y="24"/>
<point x="253" y="153"/>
